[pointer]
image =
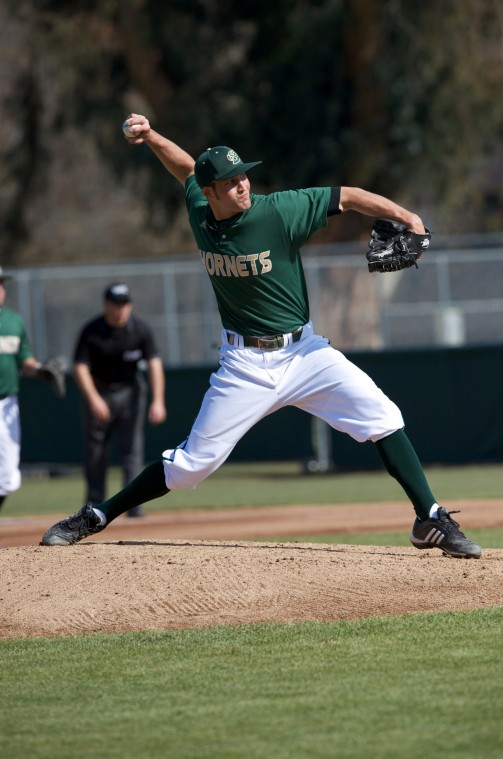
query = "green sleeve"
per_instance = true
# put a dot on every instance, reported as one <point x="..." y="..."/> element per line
<point x="193" y="194"/>
<point x="303" y="212"/>
<point x="25" y="349"/>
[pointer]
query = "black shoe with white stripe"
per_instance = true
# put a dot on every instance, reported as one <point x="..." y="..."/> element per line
<point x="444" y="533"/>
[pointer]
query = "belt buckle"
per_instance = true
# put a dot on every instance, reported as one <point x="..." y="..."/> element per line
<point x="271" y="343"/>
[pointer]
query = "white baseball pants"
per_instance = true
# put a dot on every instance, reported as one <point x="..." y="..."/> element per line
<point x="10" y="445"/>
<point x="251" y="383"/>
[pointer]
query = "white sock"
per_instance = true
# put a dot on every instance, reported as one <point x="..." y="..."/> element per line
<point x="433" y="511"/>
<point x="100" y="514"/>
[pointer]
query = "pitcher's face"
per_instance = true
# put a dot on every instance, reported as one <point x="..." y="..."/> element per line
<point x="228" y="197"/>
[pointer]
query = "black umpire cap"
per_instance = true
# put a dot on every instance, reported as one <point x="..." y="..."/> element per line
<point x="117" y="293"/>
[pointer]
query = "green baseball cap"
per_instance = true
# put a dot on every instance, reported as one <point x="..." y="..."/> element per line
<point x="219" y="163"/>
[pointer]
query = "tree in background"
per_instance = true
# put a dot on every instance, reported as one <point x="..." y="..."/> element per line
<point x="395" y="96"/>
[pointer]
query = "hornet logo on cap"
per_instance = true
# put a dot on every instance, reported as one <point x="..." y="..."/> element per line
<point x="233" y="157"/>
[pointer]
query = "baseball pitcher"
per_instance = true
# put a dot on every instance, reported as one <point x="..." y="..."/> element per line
<point x="270" y="354"/>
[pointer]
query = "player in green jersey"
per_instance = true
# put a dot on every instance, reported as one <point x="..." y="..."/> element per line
<point x="270" y="355"/>
<point x="16" y="357"/>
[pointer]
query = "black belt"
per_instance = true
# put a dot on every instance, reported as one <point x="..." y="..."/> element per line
<point x="272" y="343"/>
<point x="112" y="386"/>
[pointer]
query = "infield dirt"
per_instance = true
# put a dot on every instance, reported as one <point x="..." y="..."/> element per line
<point x="172" y="570"/>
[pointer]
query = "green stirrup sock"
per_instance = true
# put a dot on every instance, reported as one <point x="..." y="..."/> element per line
<point x="148" y="485"/>
<point x="402" y="463"/>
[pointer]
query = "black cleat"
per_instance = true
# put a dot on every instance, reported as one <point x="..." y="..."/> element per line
<point x="444" y="533"/>
<point x="74" y="528"/>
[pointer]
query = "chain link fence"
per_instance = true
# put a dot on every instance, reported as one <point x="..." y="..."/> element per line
<point x="454" y="298"/>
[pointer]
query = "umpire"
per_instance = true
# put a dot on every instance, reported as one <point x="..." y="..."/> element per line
<point x="106" y="369"/>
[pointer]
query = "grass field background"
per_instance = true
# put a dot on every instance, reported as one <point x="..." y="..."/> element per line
<point x="275" y="484"/>
<point x="261" y="484"/>
<point x="379" y="688"/>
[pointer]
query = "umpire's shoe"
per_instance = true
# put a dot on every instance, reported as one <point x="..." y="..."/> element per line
<point x="444" y="533"/>
<point x="71" y="530"/>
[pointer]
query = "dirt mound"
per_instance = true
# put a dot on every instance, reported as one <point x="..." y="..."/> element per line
<point x="134" y="578"/>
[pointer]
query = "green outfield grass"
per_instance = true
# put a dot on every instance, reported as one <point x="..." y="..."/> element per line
<point x="262" y="485"/>
<point x="376" y="688"/>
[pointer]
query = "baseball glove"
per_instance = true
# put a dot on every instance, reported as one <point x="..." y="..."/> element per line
<point x="393" y="247"/>
<point x="53" y="372"/>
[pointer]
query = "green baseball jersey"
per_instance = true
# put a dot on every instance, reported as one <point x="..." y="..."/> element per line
<point x="14" y="349"/>
<point x="253" y="259"/>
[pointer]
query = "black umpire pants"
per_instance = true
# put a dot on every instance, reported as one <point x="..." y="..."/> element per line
<point x="127" y="404"/>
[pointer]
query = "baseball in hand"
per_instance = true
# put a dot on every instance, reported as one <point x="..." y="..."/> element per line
<point x="127" y="130"/>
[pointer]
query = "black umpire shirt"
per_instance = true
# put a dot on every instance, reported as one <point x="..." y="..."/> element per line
<point x="112" y="353"/>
